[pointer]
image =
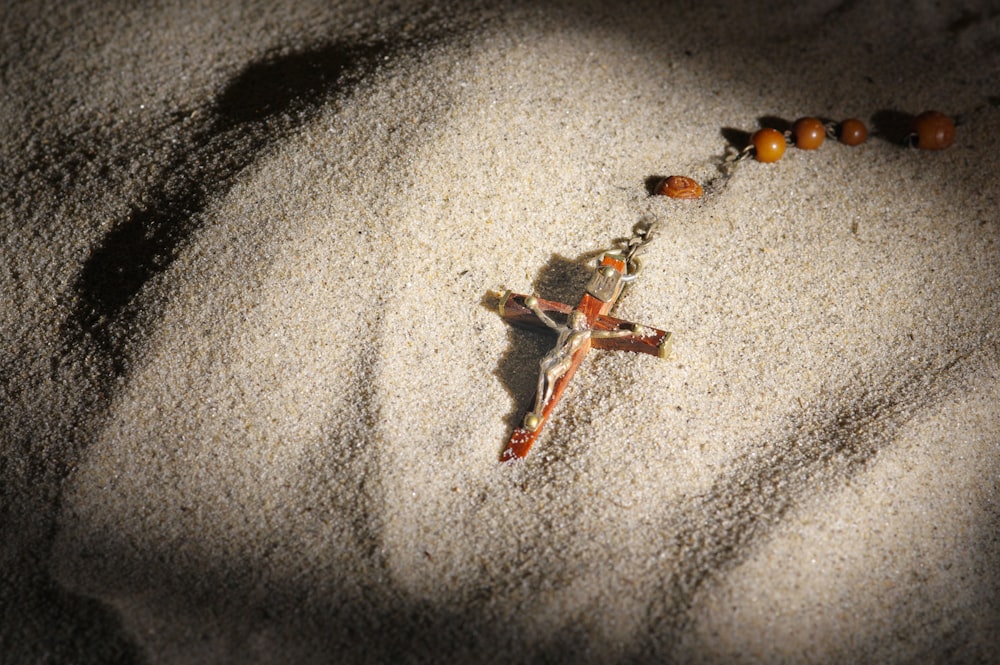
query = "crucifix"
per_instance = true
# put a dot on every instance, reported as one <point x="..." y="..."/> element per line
<point x="585" y="326"/>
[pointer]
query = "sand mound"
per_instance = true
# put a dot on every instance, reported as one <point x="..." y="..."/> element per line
<point x="254" y="392"/>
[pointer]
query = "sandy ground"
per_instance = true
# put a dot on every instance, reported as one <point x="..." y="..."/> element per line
<point x="253" y="386"/>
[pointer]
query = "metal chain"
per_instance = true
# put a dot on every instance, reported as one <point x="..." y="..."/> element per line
<point x="642" y="235"/>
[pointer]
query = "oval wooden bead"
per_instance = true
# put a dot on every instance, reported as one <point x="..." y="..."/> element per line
<point x="852" y="132"/>
<point x="934" y="130"/>
<point x="768" y="144"/>
<point x="809" y="133"/>
<point x="680" y="187"/>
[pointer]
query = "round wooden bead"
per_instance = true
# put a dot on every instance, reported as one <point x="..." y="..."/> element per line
<point x="680" y="187"/>
<point x="853" y="132"/>
<point x="768" y="144"/>
<point x="934" y="130"/>
<point x="809" y="133"/>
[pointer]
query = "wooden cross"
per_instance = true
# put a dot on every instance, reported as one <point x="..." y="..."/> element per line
<point x="587" y="325"/>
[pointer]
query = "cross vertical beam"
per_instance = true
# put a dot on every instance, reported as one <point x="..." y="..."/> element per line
<point x="587" y="325"/>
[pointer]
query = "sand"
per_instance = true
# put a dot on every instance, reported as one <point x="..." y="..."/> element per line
<point x="254" y="387"/>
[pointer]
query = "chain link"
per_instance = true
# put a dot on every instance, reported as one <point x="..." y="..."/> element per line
<point x="642" y="235"/>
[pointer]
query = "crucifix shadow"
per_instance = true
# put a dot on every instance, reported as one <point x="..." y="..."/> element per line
<point x="562" y="279"/>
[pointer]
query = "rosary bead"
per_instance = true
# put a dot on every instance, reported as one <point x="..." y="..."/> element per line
<point x="768" y="144"/>
<point x="934" y="130"/>
<point x="853" y="132"/>
<point x="809" y="133"/>
<point x="680" y="187"/>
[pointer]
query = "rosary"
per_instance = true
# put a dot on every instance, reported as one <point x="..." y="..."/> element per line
<point x="588" y="325"/>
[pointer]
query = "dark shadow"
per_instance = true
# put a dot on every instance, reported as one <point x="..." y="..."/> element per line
<point x="292" y="621"/>
<point x="562" y="280"/>
<point x="756" y="492"/>
<point x="892" y="126"/>
<point x="65" y="627"/>
<point x="738" y="139"/>
<point x="775" y="122"/>
<point x="652" y="183"/>
<point x="710" y="534"/>
<point x="262" y="104"/>
<point x="565" y="279"/>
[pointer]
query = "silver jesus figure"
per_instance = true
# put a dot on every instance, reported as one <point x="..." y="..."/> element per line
<point x="572" y="336"/>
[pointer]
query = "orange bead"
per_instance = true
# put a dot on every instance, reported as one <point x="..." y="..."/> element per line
<point x="934" y="130"/>
<point x="853" y="132"/>
<point x="680" y="187"/>
<point x="809" y="133"/>
<point x="768" y="144"/>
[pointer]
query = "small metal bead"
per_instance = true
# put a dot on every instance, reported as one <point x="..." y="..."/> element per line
<point x="531" y="422"/>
